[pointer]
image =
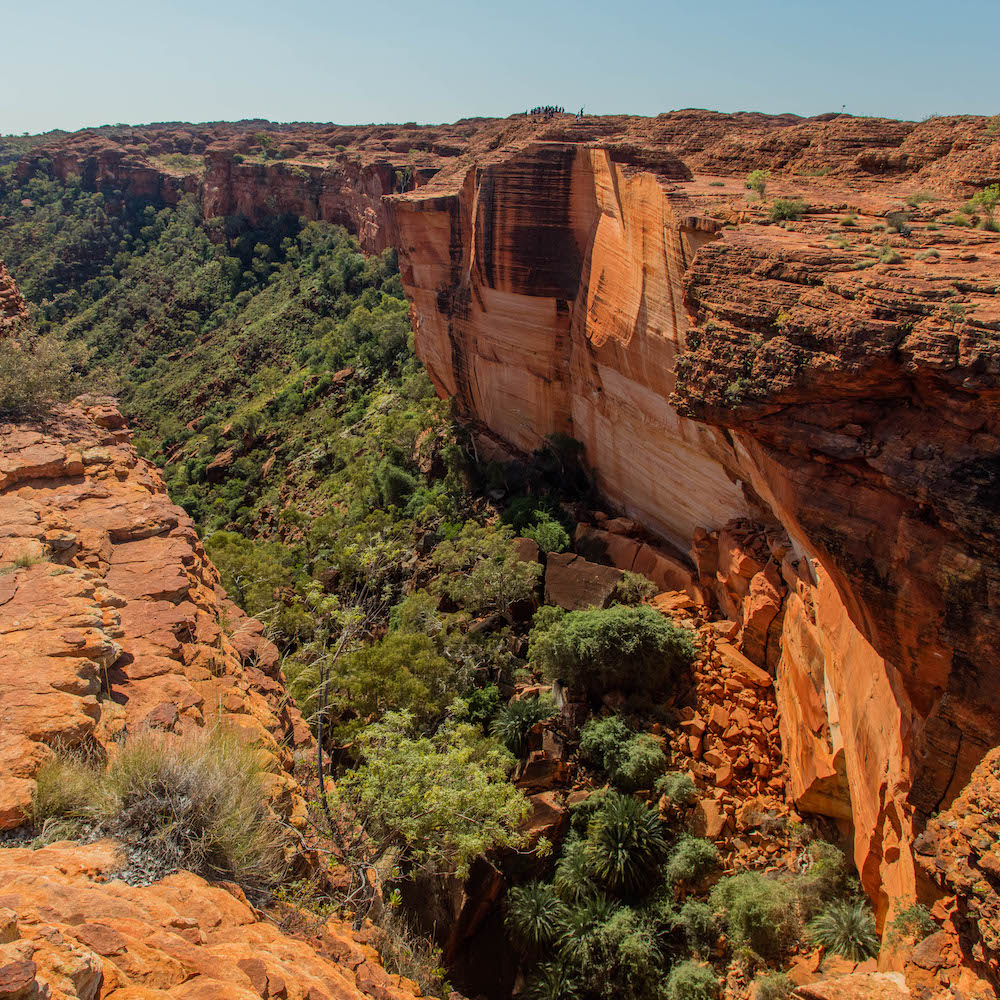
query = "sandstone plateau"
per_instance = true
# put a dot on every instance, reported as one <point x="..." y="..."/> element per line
<point x="801" y="416"/>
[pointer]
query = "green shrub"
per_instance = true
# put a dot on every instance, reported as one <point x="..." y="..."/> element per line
<point x="985" y="202"/>
<point x="197" y="804"/>
<point x="757" y="181"/>
<point x="638" y="764"/>
<point x="618" y="647"/>
<point x="482" y="705"/>
<point x="535" y="915"/>
<point x="517" y="718"/>
<point x="549" y="534"/>
<point x="403" y="671"/>
<point x="827" y="878"/>
<point x="539" y="519"/>
<point x="911" y="925"/>
<point x="632" y="760"/>
<point x="691" y="859"/>
<point x="602" y="739"/>
<point x="919" y="198"/>
<point x="690" y="981"/>
<point x="772" y="986"/>
<point x="431" y="802"/>
<point x="759" y="913"/>
<point x="36" y="373"/>
<point x="678" y="786"/>
<point x="889" y="255"/>
<point x="846" y="929"/>
<point x="783" y="209"/>
<point x="701" y="929"/>
<point x="625" y="844"/>
<point x="481" y="571"/>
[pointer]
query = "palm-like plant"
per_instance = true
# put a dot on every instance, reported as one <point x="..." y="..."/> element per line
<point x="846" y="929"/>
<point x="535" y="915"/>
<point x="517" y="718"/>
<point x="573" y="880"/>
<point x="553" y="981"/>
<point x="625" y="844"/>
<point x="579" y="927"/>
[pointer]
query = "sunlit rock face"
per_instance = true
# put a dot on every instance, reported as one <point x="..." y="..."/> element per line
<point x="815" y="419"/>
<point x="827" y="397"/>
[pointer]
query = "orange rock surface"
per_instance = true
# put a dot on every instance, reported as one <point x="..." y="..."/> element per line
<point x="111" y="617"/>
<point x="12" y="305"/>
<point x="112" y="621"/>
<point x="68" y="930"/>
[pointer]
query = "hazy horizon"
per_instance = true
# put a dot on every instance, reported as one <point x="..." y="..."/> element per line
<point x="114" y="62"/>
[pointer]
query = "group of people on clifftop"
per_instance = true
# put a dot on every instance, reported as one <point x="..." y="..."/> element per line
<point x="548" y="110"/>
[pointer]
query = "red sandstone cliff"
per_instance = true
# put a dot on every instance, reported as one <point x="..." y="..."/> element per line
<point x="843" y="405"/>
<point x="828" y="454"/>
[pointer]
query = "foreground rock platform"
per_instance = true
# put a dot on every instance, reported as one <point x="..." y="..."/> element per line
<point x="69" y="930"/>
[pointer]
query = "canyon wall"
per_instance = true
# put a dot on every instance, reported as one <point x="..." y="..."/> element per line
<point x="804" y="413"/>
<point x="720" y="371"/>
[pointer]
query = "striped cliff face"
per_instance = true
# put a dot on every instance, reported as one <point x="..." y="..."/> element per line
<point x="832" y="386"/>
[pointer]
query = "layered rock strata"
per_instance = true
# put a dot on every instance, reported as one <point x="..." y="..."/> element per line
<point x="112" y="620"/>
<point x="68" y="931"/>
<point x="830" y="387"/>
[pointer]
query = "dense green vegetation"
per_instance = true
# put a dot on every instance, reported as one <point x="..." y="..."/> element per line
<point x="269" y="371"/>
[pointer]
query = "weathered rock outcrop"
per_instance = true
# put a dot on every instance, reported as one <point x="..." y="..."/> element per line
<point x="111" y="617"/>
<point x="12" y="305"/>
<point x="112" y="621"/>
<point x="69" y="930"/>
<point x="832" y="386"/>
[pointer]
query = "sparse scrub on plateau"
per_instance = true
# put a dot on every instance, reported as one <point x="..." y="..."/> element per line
<point x="197" y="804"/>
<point x="785" y="209"/>
<point x="757" y="181"/>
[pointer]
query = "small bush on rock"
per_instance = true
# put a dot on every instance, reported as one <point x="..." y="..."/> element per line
<point x="198" y="804"/>
<point x="517" y="718"/>
<point x="690" y="981"/>
<point x="846" y="929"/>
<point x="691" y="859"/>
<point x="677" y="786"/>
<point x="630" y="648"/>
<point x="783" y="209"/>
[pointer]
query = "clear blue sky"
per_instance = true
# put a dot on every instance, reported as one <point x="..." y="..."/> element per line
<point x="68" y="64"/>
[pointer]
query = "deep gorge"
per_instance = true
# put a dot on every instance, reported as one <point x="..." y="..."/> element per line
<point x="803" y="434"/>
